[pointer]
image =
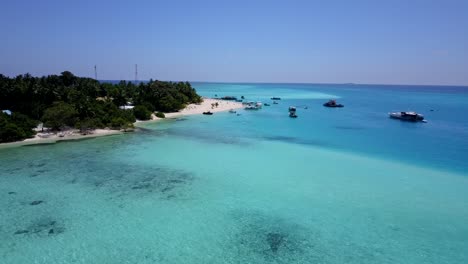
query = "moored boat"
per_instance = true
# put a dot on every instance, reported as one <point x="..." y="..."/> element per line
<point x="332" y="103"/>
<point x="229" y="98"/>
<point x="207" y="113"/>
<point x="251" y="107"/>
<point x="407" y="116"/>
<point x="292" y="112"/>
<point x="275" y="98"/>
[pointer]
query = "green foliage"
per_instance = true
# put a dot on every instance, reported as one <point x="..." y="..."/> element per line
<point x="141" y="112"/>
<point x="121" y="123"/>
<point x="118" y="122"/>
<point x="166" y="96"/>
<point x="15" y="127"/>
<point x="60" y="114"/>
<point x="11" y="132"/>
<point x="160" y="115"/>
<point x="88" y="124"/>
<point x="25" y="123"/>
<point x="84" y="103"/>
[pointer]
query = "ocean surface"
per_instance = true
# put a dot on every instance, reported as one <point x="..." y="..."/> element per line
<point x="345" y="185"/>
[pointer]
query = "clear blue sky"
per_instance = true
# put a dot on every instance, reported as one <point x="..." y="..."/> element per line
<point x="397" y="42"/>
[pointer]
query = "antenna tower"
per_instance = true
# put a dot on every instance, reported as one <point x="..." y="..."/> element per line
<point x="136" y="73"/>
<point x="95" y="72"/>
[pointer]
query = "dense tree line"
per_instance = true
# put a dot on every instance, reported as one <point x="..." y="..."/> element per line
<point x="15" y="127"/>
<point x="65" y="100"/>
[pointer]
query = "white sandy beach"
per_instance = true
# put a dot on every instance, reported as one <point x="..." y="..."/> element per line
<point x="194" y="109"/>
<point x="74" y="134"/>
<point x="198" y="109"/>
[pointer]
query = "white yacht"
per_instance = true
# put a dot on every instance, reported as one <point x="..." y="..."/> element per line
<point x="407" y="116"/>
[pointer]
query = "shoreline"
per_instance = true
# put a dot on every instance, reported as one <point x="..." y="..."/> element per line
<point x="196" y="109"/>
<point x="54" y="138"/>
<point x="73" y="134"/>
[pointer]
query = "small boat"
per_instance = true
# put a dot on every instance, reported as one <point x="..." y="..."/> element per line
<point x="207" y="113"/>
<point x="232" y="111"/>
<point x="229" y="98"/>
<point x="407" y="116"/>
<point x="275" y="98"/>
<point x="251" y="107"/>
<point x="265" y="104"/>
<point x="332" y="103"/>
<point x="274" y="102"/>
<point x="292" y="112"/>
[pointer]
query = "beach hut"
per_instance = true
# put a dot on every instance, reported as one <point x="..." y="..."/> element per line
<point x="126" y="107"/>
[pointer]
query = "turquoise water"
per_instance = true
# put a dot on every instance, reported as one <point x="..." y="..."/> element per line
<point x="332" y="186"/>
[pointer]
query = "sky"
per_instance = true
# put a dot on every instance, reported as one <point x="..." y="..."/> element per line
<point x="378" y="42"/>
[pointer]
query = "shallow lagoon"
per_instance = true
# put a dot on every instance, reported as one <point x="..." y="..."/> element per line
<point x="346" y="186"/>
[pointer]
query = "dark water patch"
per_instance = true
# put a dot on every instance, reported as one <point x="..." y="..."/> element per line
<point x="163" y="181"/>
<point x="20" y="232"/>
<point x="35" y="145"/>
<point x="167" y="188"/>
<point x="211" y="137"/>
<point x="153" y="132"/>
<point x="141" y="186"/>
<point x="270" y="239"/>
<point x="300" y="141"/>
<point x="123" y="179"/>
<point x="181" y="119"/>
<point x="11" y="192"/>
<point x="281" y="138"/>
<point x="42" y="227"/>
<point x="265" y="238"/>
<point x="36" y="202"/>
<point x="275" y="240"/>
<point x="13" y="170"/>
<point x="350" y="127"/>
<point x="36" y="164"/>
<point x="56" y="231"/>
<point x="37" y="173"/>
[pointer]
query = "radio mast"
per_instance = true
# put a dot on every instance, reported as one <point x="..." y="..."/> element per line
<point x="95" y="72"/>
<point x="136" y="73"/>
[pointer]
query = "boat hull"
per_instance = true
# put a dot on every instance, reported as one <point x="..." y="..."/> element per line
<point x="333" y="106"/>
<point x="417" y="118"/>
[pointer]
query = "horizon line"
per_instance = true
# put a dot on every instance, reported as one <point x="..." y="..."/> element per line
<point x="320" y="83"/>
<point x="259" y="82"/>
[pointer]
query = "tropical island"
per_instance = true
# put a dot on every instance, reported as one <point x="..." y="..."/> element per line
<point x="63" y="102"/>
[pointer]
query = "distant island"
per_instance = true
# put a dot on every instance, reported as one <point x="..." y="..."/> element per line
<point x="66" y="101"/>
